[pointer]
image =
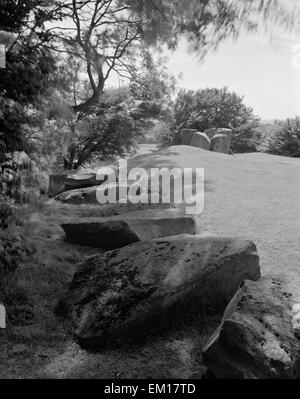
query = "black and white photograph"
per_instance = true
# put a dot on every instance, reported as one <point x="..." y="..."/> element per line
<point x="150" y="193"/>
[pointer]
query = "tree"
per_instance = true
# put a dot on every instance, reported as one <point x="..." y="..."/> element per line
<point x="286" y="141"/>
<point x="208" y="108"/>
<point x="28" y="67"/>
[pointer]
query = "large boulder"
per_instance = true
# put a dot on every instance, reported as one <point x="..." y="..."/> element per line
<point x="118" y="231"/>
<point x="217" y="130"/>
<point x="122" y="293"/>
<point x="259" y="334"/>
<point x="200" y="140"/>
<point x="221" y="143"/>
<point x="186" y="135"/>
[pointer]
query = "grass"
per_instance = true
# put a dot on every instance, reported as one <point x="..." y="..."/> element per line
<point x="254" y="196"/>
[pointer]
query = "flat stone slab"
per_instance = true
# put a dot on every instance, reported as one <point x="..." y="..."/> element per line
<point x="259" y="337"/>
<point x="82" y="180"/>
<point x="123" y="292"/>
<point x="118" y="231"/>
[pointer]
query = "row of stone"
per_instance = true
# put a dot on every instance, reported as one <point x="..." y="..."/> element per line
<point x="154" y="272"/>
<point x="215" y="139"/>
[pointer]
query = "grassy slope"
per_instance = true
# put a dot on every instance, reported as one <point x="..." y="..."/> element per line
<point x="255" y="195"/>
<point x="251" y="195"/>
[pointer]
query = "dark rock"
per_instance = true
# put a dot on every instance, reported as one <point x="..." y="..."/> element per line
<point x="118" y="231"/>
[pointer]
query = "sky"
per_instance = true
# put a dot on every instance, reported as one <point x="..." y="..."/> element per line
<point x="263" y="69"/>
<point x="266" y="71"/>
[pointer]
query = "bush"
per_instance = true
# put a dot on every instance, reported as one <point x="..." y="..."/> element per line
<point x="218" y="108"/>
<point x="287" y="139"/>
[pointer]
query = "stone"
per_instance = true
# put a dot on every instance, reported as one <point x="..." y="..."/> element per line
<point x="86" y="195"/>
<point x="200" y="140"/>
<point x="221" y="143"/>
<point x="217" y="130"/>
<point x="257" y="338"/>
<point x="186" y="135"/>
<point x="118" y="231"/>
<point x="124" y="292"/>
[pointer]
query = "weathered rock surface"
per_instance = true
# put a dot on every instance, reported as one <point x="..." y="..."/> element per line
<point x="88" y="195"/>
<point x="123" y="292"/>
<point x="259" y="334"/>
<point x="118" y="231"/>
<point x="200" y="140"/>
<point x="186" y="135"/>
<point x="221" y="143"/>
<point x="217" y="130"/>
<point x="82" y="180"/>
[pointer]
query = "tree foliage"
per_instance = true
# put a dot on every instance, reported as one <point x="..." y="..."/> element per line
<point x="286" y="141"/>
